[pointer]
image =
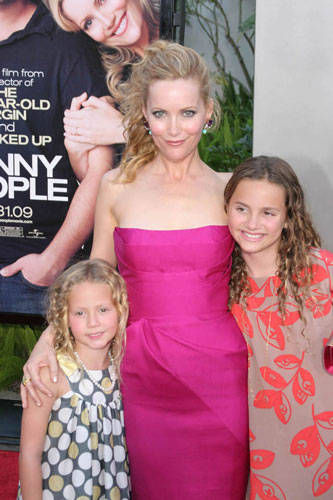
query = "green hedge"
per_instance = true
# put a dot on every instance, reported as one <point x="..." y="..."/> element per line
<point x="16" y="344"/>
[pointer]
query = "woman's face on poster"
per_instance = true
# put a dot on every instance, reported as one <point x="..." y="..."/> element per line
<point x="115" y="23"/>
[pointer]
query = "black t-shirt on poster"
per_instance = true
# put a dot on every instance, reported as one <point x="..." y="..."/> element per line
<point x="42" y="69"/>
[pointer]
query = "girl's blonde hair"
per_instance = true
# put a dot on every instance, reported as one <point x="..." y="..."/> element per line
<point x="91" y="271"/>
<point x="162" y="60"/>
<point x="115" y="59"/>
<point x="297" y="237"/>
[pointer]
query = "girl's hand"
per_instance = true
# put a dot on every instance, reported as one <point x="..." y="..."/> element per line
<point x="96" y="122"/>
<point x="43" y="354"/>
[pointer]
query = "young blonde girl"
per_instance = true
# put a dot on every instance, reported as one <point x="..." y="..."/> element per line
<point x="73" y="445"/>
<point x="281" y="294"/>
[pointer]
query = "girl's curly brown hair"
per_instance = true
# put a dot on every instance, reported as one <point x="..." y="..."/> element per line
<point x="91" y="271"/>
<point x="297" y="237"/>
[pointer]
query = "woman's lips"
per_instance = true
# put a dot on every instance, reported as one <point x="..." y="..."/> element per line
<point x="122" y="26"/>
<point x="175" y="143"/>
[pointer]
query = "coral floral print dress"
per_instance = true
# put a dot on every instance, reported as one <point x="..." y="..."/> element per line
<point x="290" y="392"/>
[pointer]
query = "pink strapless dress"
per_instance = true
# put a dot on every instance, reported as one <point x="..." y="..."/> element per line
<point x="185" y="367"/>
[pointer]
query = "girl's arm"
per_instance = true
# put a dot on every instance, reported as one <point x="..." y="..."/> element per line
<point x="33" y="430"/>
<point x="43" y="354"/>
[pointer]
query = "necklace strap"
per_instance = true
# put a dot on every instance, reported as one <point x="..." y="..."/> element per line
<point x="113" y="374"/>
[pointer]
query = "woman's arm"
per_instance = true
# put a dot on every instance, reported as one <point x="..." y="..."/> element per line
<point x="33" y="431"/>
<point x="43" y="354"/>
<point x="105" y="220"/>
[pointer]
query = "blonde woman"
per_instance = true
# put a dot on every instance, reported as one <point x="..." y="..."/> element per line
<point x="160" y="218"/>
<point x="122" y="28"/>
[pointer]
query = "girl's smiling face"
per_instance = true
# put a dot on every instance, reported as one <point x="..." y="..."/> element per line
<point x="115" y="23"/>
<point x="256" y="217"/>
<point x="92" y="316"/>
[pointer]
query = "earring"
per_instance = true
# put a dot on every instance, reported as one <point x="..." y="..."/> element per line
<point x="207" y="126"/>
<point x="146" y="126"/>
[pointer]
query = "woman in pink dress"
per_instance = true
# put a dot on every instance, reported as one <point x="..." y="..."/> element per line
<point x="281" y="293"/>
<point x="161" y="220"/>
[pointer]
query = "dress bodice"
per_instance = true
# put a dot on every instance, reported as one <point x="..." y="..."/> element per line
<point x="175" y="273"/>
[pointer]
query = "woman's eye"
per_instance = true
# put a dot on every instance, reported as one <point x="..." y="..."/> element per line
<point x="269" y="213"/>
<point x="189" y="113"/>
<point x="87" y="24"/>
<point x="240" y="209"/>
<point x="103" y="309"/>
<point x="79" y="313"/>
<point x="158" y="114"/>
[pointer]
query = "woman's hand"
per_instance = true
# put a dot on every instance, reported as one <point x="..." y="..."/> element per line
<point x="97" y="122"/>
<point x="43" y="354"/>
<point x="77" y="150"/>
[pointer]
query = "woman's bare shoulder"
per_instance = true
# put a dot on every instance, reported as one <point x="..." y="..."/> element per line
<point x="221" y="178"/>
<point x="224" y="176"/>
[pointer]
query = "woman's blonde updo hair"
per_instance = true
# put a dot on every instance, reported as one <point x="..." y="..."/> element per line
<point x="114" y="58"/>
<point x="91" y="271"/>
<point x="162" y="60"/>
<point x="298" y="234"/>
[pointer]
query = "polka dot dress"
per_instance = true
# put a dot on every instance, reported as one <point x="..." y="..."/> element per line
<point x="85" y="454"/>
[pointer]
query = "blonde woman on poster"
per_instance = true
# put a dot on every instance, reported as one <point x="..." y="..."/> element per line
<point x="122" y="28"/>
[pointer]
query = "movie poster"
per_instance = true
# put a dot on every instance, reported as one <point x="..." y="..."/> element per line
<point x="47" y="197"/>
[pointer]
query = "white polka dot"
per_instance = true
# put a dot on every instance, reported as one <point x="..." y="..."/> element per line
<point x="116" y="394"/>
<point x="47" y="495"/>
<point x="69" y="492"/>
<point x="77" y="478"/>
<point x="68" y="395"/>
<point x="106" y="427"/>
<point x="122" y="479"/>
<point x="88" y="487"/>
<point x="65" y="414"/>
<point x="71" y="426"/>
<point x="86" y="387"/>
<point x="45" y="470"/>
<point x="105" y="453"/>
<point x="65" y="466"/>
<point x="99" y="398"/>
<point x="93" y="414"/>
<point x="85" y="461"/>
<point x="96" y="374"/>
<point x="101" y="479"/>
<point x="76" y="376"/>
<point x="56" y="404"/>
<point x="108" y="480"/>
<point x="53" y="456"/>
<point x="113" y="468"/>
<point x="116" y="427"/>
<point x="47" y="443"/>
<point x="64" y="442"/>
<point x="95" y="468"/>
<point x="119" y="453"/>
<point x="81" y="434"/>
<point x="99" y="426"/>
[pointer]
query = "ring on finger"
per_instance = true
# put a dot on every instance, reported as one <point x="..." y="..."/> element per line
<point x="25" y="380"/>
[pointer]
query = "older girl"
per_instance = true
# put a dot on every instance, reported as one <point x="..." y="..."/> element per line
<point x="281" y="294"/>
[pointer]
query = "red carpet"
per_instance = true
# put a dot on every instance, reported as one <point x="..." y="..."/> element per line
<point x="8" y="475"/>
